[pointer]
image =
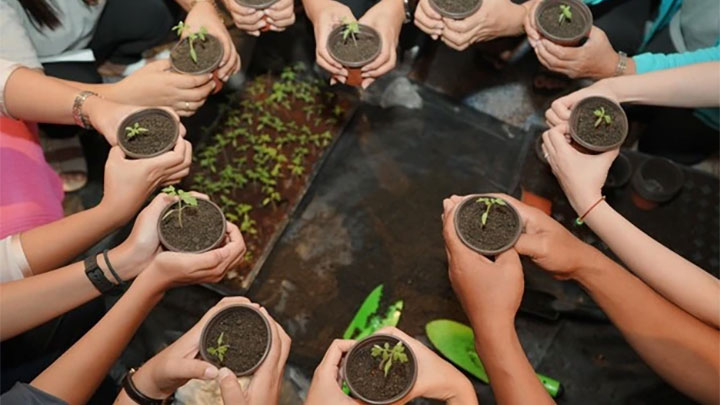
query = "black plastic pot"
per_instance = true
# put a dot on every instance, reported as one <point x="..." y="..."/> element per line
<point x="471" y="199"/>
<point x="365" y="344"/>
<point x="353" y="67"/>
<point x="170" y="247"/>
<point x="219" y="317"/>
<point x="134" y="117"/>
<point x="212" y="68"/>
<point x="585" y="14"/>
<point x="620" y="172"/>
<point x="456" y="15"/>
<point x="585" y="146"/>
<point x="656" y="180"/>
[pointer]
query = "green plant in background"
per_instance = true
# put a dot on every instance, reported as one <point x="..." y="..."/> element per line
<point x="135" y="130"/>
<point x="351" y="29"/>
<point x="565" y="13"/>
<point x="201" y="34"/>
<point x="221" y="348"/>
<point x="602" y="116"/>
<point x="388" y="355"/>
<point x="489" y="202"/>
<point x="186" y="200"/>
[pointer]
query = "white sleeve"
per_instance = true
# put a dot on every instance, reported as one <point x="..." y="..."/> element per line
<point x="13" y="263"/>
<point x="15" y="45"/>
<point x="6" y="69"/>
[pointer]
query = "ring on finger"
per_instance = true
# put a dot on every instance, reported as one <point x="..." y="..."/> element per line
<point x="187" y="106"/>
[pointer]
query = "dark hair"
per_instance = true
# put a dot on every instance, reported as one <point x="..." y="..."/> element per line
<point x="43" y="12"/>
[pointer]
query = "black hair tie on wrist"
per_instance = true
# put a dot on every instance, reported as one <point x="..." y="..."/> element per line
<point x="135" y="394"/>
<point x="110" y="267"/>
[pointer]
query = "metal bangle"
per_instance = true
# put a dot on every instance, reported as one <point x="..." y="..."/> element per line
<point x="622" y="64"/>
<point x="79" y="116"/>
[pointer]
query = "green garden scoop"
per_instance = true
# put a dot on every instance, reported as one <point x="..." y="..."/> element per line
<point x="456" y="341"/>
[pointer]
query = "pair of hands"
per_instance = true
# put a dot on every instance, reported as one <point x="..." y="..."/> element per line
<point x="437" y="379"/>
<point x="165" y="270"/>
<point x="386" y="17"/>
<point x="582" y="187"/>
<point x="277" y="17"/>
<point x="170" y="369"/>
<point x="596" y="58"/>
<point x="492" y="291"/>
<point x="494" y="18"/>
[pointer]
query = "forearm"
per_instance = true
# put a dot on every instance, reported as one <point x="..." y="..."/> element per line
<point x="313" y="7"/>
<point x="688" y="86"/>
<point x="680" y="348"/>
<point x="55" y="244"/>
<point x="90" y="359"/>
<point x="507" y="365"/>
<point x="61" y="290"/>
<point x="680" y="281"/>
<point x="32" y="96"/>
<point x="464" y="393"/>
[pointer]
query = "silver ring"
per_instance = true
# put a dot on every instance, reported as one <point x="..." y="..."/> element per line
<point x="187" y="106"/>
<point x="545" y="155"/>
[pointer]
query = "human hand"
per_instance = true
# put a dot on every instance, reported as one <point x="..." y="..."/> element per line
<point x="325" y="387"/>
<point x="172" y="269"/>
<point x="533" y="35"/>
<point x="386" y="17"/>
<point x="129" y="182"/>
<point x="173" y="367"/>
<point x="428" y="20"/>
<point x="559" y="111"/>
<point x="204" y="14"/>
<point x="487" y="290"/>
<point x="155" y="84"/>
<point x="548" y="243"/>
<point x="265" y="385"/>
<point x="106" y="116"/>
<point x="596" y="58"/>
<point x="495" y="18"/>
<point x="580" y="175"/>
<point x="325" y="17"/>
<point x="437" y="379"/>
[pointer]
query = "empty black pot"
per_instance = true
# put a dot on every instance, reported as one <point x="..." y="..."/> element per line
<point x="656" y="181"/>
<point x="620" y="172"/>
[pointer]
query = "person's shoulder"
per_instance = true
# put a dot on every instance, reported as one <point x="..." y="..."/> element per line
<point x="24" y="394"/>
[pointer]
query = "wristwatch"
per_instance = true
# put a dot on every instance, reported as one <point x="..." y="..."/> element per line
<point x="135" y="394"/>
<point x="79" y="116"/>
<point x="96" y="275"/>
<point x="622" y="64"/>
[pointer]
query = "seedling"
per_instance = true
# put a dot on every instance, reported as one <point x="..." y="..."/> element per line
<point x="186" y="200"/>
<point x="389" y="356"/>
<point x="221" y="348"/>
<point x="351" y="29"/>
<point x="602" y="116"/>
<point x="135" y="130"/>
<point x="489" y="202"/>
<point x="565" y="13"/>
<point x="180" y="28"/>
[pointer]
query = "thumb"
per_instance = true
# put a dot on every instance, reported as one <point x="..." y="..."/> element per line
<point x="232" y="393"/>
<point x="159" y="65"/>
<point x="186" y="369"/>
<point x="530" y="245"/>
<point x="116" y="154"/>
<point x="508" y="259"/>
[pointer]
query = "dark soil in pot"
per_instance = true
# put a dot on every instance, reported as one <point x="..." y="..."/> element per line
<point x="656" y="181"/>
<point x="161" y="135"/>
<point x="602" y="137"/>
<point x="367" y="381"/>
<point x="499" y="233"/>
<point x="246" y="335"/>
<point x="354" y="54"/>
<point x="569" y="32"/>
<point x="203" y="227"/>
<point x="209" y="54"/>
<point x="457" y="9"/>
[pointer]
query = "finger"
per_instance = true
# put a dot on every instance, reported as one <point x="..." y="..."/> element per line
<point x="429" y="11"/>
<point x="426" y="27"/>
<point x="556" y="137"/>
<point x="552" y="118"/>
<point x="552" y="61"/>
<point x="325" y="63"/>
<point x="451" y="44"/>
<point x="530" y="244"/>
<point x="230" y="389"/>
<point x="386" y="67"/>
<point x="333" y="355"/>
<point x="562" y="107"/>
<point x="382" y="59"/>
<point x="196" y="94"/>
<point x="199" y="195"/>
<point x="185" y="81"/>
<point x="560" y="52"/>
<point x="367" y="82"/>
<point x="547" y="144"/>
<point x="187" y="369"/>
<point x="229" y="67"/>
<point x="281" y="10"/>
<point x="508" y="259"/>
<point x="159" y="65"/>
<point x="460" y="26"/>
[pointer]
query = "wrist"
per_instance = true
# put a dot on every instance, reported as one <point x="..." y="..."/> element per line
<point x="124" y="261"/>
<point x="462" y="391"/>
<point x="515" y="23"/>
<point x="583" y="203"/>
<point x="151" y="282"/>
<point x="143" y="381"/>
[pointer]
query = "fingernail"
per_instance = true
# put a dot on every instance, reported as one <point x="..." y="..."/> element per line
<point x="213" y="85"/>
<point x="210" y="373"/>
<point x="342" y="79"/>
<point x="210" y="76"/>
<point x="434" y="37"/>
<point x="224" y="373"/>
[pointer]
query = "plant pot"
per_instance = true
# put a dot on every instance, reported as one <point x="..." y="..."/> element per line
<point x="209" y="53"/>
<point x="367" y="382"/>
<point x="619" y="173"/>
<point x="567" y="33"/>
<point x="456" y="9"/>
<point x="604" y="137"/>
<point x="162" y="135"/>
<point x="502" y="230"/>
<point x="656" y="180"/>
<point x="258" y="5"/>
<point x="203" y="227"/>
<point x="353" y="56"/>
<point x="245" y="331"/>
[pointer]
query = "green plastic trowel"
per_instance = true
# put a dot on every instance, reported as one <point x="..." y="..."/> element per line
<point x="456" y="341"/>
<point x="367" y="321"/>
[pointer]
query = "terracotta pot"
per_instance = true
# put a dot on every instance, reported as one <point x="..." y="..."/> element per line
<point x="471" y="200"/>
<point x="379" y="338"/>
<point x="135" y="117"/>
<point x="585" y="13"/>
<point x="219" y="317"/>
<point x="353" y="67"/>
<point x="656" y="180"/>
<point x="586" y="147"/>
<point x="455" y="15"/>
<point x="171" y="248"/>
<point x="620" y="172"/>
<point x="212" y="68"/>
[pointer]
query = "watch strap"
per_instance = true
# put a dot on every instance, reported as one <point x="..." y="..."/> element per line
<point x="135" y="394"/>
<point x="79" y="116"/>
<point x="96" y="275"/>
<point x="622" y="64"/>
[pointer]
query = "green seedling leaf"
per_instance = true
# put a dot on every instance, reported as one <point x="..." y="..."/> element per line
<point x="389" y="356"/>
<point x="565" y="13"/>
<point x="135" y="130"/>
<point x="603" y="116"/>
<point x="489" y="202"/>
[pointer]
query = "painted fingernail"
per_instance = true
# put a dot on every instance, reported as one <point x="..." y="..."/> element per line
<point x="210" y="373"/>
